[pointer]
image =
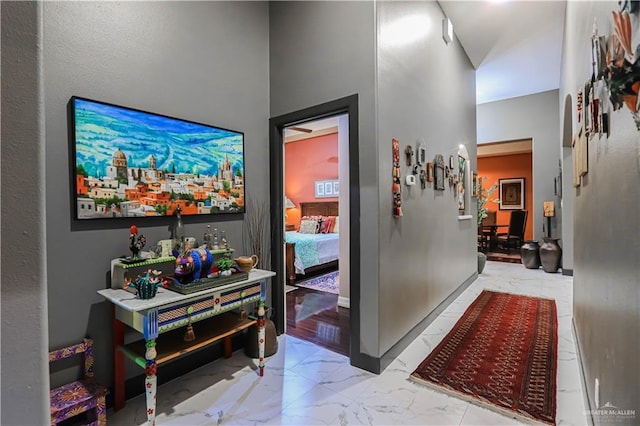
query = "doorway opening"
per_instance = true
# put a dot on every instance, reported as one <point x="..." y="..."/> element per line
<point x="316" y="257"/>
<point x="501" y="166"/>
<point x="317" y="199"/>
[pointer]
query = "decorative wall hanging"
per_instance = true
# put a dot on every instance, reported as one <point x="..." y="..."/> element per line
<point x="575" y="155"/>
<point x="462" y="169"/>
<point x="438" y="173"/>
<point x="423" y="178"/>
<point x="408" y="152"/>
<point x="474" y="185"/>
<point x="583" y="157"/>
<point x="580" y="156"/>
<point x="395" y="171"/>
<point x="511" y="194"/>
<point x="558" y="181"/>
<point x="421" y="156"/>
<point x="126" y="165"/>
<point x="429" y="172"/>
<point x="615" y="62"/>
<point x="586" y="123"/>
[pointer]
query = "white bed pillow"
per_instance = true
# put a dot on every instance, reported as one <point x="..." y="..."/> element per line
<point x="336" y="225"/>
<point x="308" y="227"/>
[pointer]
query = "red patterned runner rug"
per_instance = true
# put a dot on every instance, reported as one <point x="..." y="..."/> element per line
<point x="502" y="354"/>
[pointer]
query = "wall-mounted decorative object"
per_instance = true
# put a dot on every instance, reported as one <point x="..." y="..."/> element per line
<point x="583" y="163"/>
<point x="580" y="147"/>
<point x="474" y="185"/>
<point x="587" y="107"/>
<point x="408" y="152"/>
<point x="575" y="155"/>
<point x="132" y="163"/>
<point x="326" y="188"/>
<point x="452" y="163"/>
<point x="438" y="173"/>
<point x="616" y="62"/>
<point x="423" y="178"/>
<point x="395" y="174"/>
<point x="579" y="105"/>
<point x="558" y="181"/>
<point x="511" y="194"/>
<point x="462" y="175"/>
<point x="410" y="180"/>
<point x="421" y="157"/>
<point x="429" y="172"/>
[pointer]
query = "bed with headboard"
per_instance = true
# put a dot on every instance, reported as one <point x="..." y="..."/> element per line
<point x="310" y="252"/>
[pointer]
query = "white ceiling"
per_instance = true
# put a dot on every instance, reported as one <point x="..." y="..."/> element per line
<point x="515" y="46"/>
<point x="317" y="128"/>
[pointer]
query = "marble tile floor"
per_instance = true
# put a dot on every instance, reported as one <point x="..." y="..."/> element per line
<point x="308" y="385"/>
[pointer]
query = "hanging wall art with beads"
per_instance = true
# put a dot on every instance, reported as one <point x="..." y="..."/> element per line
<point x="395" y="173"/>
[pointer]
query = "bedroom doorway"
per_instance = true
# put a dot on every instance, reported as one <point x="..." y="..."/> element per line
<point x="317" y="284"/>
<point x="329" y="317"/>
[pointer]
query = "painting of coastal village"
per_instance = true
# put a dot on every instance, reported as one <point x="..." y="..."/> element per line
<point x="132" y="163"/>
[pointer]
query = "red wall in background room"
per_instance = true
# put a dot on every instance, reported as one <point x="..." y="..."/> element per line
<point x="305" y="162"/>
<point x="505" y="167"/>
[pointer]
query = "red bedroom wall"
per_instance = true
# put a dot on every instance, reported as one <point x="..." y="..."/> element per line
<point x="305" y="162"/>
<point x="505" y="167"/>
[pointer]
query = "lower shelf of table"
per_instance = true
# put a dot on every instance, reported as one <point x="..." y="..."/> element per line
<point x="171" y="345"/>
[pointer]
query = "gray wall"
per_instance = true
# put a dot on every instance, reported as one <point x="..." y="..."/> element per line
<point x="201" y="61"/>
<point x="326" y="50"/>
<point x="426" y="254"/>
<point x="25" y="371"/>
<point x="606" y="232"/>
<point x="536" y="117"/>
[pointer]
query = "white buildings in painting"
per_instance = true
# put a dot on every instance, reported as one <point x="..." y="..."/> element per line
<point x="137" y="184"/>
<point x="86" y="207"/>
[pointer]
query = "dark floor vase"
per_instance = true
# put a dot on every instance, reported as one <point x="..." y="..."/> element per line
<point x="550" y="254"/>
<point x="482" y="260"/>
<point x="530" y="254"/>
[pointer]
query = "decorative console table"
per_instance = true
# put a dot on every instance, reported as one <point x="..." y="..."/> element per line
<point x="161" y="321"/>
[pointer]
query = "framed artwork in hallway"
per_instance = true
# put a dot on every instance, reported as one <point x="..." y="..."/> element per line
<point x="511" y="194"/>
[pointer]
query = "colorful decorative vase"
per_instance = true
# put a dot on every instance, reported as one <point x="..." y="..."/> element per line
<point x="550" y="254"/>
<point x="147" y="285"/>
<point x="530" y="254"/>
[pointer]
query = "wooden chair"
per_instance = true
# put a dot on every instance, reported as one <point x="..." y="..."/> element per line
<point x="486" y="234"/>
<point x="82" y="395"/>
<point x="515" y="236"/>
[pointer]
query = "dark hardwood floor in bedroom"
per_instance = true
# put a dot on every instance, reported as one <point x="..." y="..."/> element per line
<point x="315" y="316"/>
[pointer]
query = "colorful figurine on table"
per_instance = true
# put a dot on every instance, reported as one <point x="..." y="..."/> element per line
<point x="136" y="242"/>
<point x="147" y="285"/>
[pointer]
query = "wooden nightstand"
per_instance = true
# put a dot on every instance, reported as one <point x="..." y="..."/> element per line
<point x="289" y="227"/>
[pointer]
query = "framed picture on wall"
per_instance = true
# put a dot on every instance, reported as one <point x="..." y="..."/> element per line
<point x="511" y="194"/>
<point x="326" y="188"/>
<point x="439" y="173"/>
<point x="474" y="185"/>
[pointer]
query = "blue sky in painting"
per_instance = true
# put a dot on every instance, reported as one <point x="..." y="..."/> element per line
<point x="192" y="148"/>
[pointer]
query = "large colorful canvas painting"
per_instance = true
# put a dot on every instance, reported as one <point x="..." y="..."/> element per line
<point x="131" y="163"/>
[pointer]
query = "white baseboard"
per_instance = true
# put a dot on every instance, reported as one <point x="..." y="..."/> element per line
<point x="344" y="302"/>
